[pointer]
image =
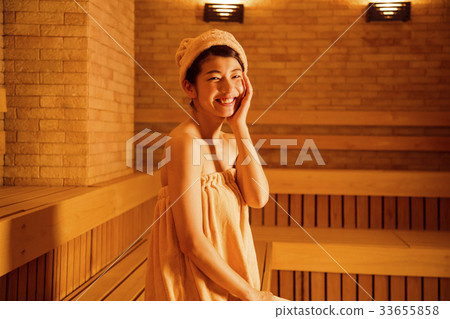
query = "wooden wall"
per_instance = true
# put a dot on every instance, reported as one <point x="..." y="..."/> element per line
<point x="57" y="273"/>
<point x="374" y="212"/>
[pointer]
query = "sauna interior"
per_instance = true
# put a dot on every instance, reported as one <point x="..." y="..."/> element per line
<point x="376" y="103"/>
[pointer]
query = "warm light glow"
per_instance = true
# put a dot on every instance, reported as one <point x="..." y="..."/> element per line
<point x="364" y="2"/>
<point x="388" y="5"/>
<point x="388" y="9"/>
<point x="224" y="6"/>
<point x="251" y="3"/>
<point x="224" y="10"/>
<point x="228" y="1"/>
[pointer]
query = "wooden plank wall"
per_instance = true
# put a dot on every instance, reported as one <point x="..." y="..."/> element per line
<point x="60" y="271"/>
<point x="383" y="212"/>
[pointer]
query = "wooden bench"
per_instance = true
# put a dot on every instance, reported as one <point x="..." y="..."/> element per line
<point x="358" y="251"/>
<point x="46" y="230"/>
<point x="26" y="213"/>
<point x="125" y="281"/>
<point x="54" y="239"/>
<point x="377" y="252"/>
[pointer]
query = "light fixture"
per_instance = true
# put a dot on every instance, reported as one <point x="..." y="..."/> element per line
<point x="224" y="12"/>
<point x="389" y="11"/>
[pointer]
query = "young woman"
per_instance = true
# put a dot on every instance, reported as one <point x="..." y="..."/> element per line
<point x="201" y="247"/>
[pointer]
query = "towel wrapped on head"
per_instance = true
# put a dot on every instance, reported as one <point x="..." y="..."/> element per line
<point x="190" y="49"/>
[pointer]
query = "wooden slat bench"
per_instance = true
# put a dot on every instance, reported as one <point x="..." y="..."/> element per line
<point x="52" y="229"/>
<point x="79" y="209"/>
<point x="377" y="252"/>
<point x="358" y="251"/>
<point x="125" y="281"/>
<point x="54" y="239"/>
<point x="26" y="213"/>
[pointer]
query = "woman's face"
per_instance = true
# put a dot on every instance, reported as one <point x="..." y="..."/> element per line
<point x="219" y="86"/>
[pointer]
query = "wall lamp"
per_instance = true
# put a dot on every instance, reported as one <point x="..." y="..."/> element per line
<point x="224" y="12"/>
<point x="389" y="11"/>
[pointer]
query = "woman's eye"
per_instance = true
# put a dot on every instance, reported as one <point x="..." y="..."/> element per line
<point x="237" y="76"/>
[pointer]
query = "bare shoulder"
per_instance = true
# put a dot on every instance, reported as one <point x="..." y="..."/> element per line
<point x="185" y="129"/>
<point x="181" y="138"/>
<point x="181" y="143"/>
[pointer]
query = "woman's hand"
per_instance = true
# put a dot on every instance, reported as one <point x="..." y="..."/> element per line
<point x="280" y="299"/>
<point x="239" y="117"/>
<point x="266" y="296"/>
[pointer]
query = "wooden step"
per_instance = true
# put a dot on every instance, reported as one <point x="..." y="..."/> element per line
<point x="358" y="251"/>
<point x="125" y="271"/>
<point x="130" y="287"/>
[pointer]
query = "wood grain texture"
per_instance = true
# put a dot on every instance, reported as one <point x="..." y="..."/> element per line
<point x="294" y="117"/>
<point x="359" y="182"/>
<point x="380" y="252"/>
<point x="334" y="280"/>
<point x="360" y="142"/>
<point x="75" y="210"/>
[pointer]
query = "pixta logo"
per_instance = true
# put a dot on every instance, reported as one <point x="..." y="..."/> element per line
<point x="283" y="143"/>
<point x="150" y="150"/>
<point x="218" y="145"/>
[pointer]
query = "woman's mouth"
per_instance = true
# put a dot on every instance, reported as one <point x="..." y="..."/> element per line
<point x="226" y="101"/>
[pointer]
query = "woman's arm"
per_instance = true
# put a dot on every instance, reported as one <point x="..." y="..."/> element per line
<point x="250" y="175"/>
<point x="185" y="195"/>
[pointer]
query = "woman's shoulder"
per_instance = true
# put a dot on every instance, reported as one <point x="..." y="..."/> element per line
<point x="180" y="144"/>
<point x="181" y="139"/>
<point x="185" y="130"/>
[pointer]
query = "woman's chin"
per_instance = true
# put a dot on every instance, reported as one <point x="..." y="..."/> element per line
<point x="226" y="114"/>
<point x="226" y="110"/>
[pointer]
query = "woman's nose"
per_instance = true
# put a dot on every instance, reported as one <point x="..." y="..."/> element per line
<point x="226" y="86"/>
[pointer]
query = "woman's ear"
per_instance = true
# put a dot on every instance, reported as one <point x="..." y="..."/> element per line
<point x="189" y="88"/>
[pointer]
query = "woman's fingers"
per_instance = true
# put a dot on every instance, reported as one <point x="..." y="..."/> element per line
<point x="248" y="85"/>
<point x="248" y="90"/>
<point x="280" y="299"/>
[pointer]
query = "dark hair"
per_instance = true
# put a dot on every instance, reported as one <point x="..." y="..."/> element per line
<point x="217" y="50"/>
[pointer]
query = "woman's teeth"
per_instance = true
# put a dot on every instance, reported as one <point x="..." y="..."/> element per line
<point x="226" y="101"/>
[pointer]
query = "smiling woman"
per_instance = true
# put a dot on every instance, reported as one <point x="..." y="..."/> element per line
<point x="219" y="82"/>
<point x="210" y="73"/>
<point x="201" y="247"/>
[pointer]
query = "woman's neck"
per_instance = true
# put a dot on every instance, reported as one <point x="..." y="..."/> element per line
<point x="209" y="126"/>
